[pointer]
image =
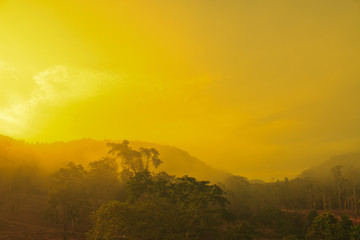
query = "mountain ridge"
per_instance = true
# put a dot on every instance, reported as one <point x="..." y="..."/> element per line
<point x="51" y="156"/>
<point x="350" y="162"/>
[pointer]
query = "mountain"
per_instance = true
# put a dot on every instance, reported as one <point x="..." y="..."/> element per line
<point x="51" y="156"/>
<point x="350" y="163"/>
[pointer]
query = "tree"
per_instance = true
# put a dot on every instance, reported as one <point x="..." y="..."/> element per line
<point x="162" y="207"/>
<point x="121" y="220"/>
<point x="311" y="216"/>
<point x="355" y="232"/>
<point x="130" y="158"/>
<point x="336" y="171"/>
<point x="240" y="231"/>
<point x="238" y="193"/>
<point x="68" y="195"/>
<point x="133" y="161"/>
<point x="345" y="228"/>
<point x="354" y="180"/>
<point x="151" y="155"/>
<point x="200" y="206"/>
<point x="103" y="177"/>
<point x="326" y="226"/>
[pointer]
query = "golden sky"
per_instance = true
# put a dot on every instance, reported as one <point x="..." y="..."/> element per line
<point x="259" y="88"/>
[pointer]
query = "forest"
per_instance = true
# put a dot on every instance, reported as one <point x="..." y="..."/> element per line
<point x="179" y="120"/>
<point x="126" y="195"/>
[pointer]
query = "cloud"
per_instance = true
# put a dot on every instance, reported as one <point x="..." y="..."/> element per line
<point x="4" y="67"/>
<point x="60" y="84"/>
<point x="54" y="87"/>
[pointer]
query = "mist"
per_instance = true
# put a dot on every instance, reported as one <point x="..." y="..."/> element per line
<point x="243" y="102"/>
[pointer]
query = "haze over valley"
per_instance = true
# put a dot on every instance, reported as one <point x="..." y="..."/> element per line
<point x="179" y="120"/>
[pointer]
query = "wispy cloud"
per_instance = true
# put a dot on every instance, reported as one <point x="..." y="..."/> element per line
<point x="54" y="87"/>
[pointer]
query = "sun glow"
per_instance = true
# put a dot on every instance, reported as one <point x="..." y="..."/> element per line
<point x="248" y="87"/>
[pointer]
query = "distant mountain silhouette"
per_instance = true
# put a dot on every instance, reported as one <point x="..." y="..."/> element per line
<point x="349" y="161"/>
<point x="51" y="156"/>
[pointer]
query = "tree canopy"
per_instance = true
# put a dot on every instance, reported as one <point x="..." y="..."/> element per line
<point x="162" y="207"/>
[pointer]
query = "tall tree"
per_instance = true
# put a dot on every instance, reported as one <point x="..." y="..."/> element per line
<point x="151" y="155"/>
<point x="336" y="171"/>
<point x="324" y="226"/>
<point x="133" y="161"/>
<point x="352" y="174"/>
<point x="103" y="178"/>
<point x="161" y="207"/>
<point x="68" y="195"/>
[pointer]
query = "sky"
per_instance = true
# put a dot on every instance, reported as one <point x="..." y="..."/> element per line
<point x="263" y="89"/>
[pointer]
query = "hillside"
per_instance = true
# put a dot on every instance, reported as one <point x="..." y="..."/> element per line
<point x="350" y="163"/>
<point x="51" y="156"/>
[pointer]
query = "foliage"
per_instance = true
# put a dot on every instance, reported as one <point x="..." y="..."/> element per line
<point x="133" y="161"/>
<point x="103" y="177"/>
<point x="311" y="216"/>
<point x="283" y="223"/>
<point x="355" y="232"/>
<point x="68" y="195"/>
<point x="326" y="226"/>
<point x="241" y="231"/>
<point x="238" y="192"/>
<point x="161" y="207"/>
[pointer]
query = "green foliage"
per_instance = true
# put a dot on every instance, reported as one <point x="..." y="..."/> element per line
<point x="22" y="179"/>
<point x="240" y="231"/>
<point x="121" y="220"/>
<point x="283" y="223"/>
<point x="133" y="161"/>
<point x="345" y="228"/>
<point x="326" y="226"/>
<point x="238" y="192"/>
<point x="159" y="206"/>
<point x="103" y="178"/>
<point x="311" y="216"/>
<point x="355" y="232"/>
<point x="162" y="207"/>
<point x="151" y="155"/>
<point x="68" y="195"/>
